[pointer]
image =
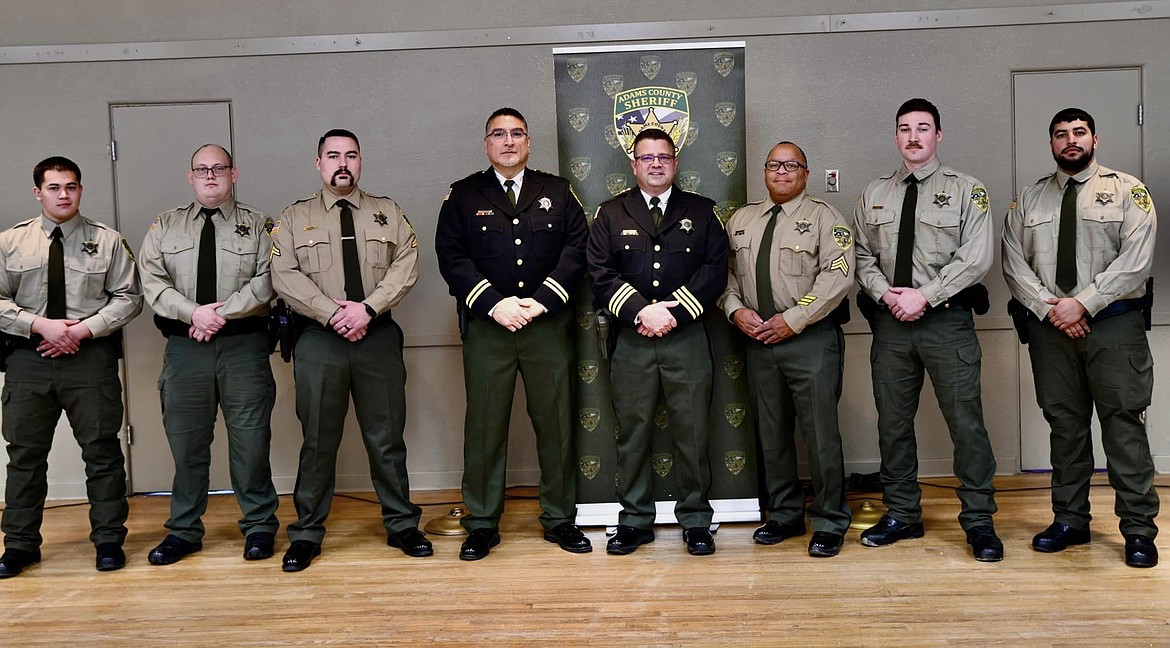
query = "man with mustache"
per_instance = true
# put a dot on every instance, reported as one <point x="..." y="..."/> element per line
<point x="205" y="273"/>
<point x="924" y="241"/>
<point x="1078" y="246"/>
<point x="341" y="259"/>
<point x="67" y="287"/>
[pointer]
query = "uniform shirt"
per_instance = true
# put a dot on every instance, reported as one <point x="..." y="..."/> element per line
<point x="811" y="259"/>
<point x="169" y="261"/>
<point x="489" y="250"/>
<point x="1115" y="240"/>
<point x="632" y="264"/>
<point x="952" y="234"/>
<point x="307" y="267"/>
<point x="101" y="283"/>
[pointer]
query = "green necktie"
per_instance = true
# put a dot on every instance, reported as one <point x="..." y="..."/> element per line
<point x="1066" y="244"/>
<point x="349" y="256"/>
<point x="764" y="299"/>
<point x="656" y="212"/>
<point x="508" y="189"/>
<point x="904" y="262"/>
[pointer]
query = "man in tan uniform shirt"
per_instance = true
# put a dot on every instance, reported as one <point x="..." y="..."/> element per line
<point x="67" y="287"/>
<point x="204" y="271"/>
<point x="341" y="259"/>
<point x="795" y="350"/>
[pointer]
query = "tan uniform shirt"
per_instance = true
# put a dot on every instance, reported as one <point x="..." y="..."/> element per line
<point x="101" y="283"/>
<point x="1115" y="240"/>
<point x="307" y="267"/>
<point x="952" y="236"/>
<point x="811" y="260"/>
<point x="169" y="261"/>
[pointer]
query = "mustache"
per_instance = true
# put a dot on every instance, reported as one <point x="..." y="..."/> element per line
<point x="1069" y="149"/>
<point x="914" y="145"/>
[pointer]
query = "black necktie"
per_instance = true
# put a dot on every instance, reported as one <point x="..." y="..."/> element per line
<point x="764" y="299"/>
<point x="508" y="189"/>
<point x="656" y="212"/>
<point x="349" y="256"/>
<point x="1066" y="244"/>
<point x="55" y="309"/>
<point x="206" y="277"/>
<point x="904" y="263"/>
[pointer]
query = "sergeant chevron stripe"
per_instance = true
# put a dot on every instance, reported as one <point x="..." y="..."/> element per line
<point x="840" y="264"/>
<point x="689" y="302"/>
<point x="806" y="300"/>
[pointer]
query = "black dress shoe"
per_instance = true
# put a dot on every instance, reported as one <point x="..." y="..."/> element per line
<point x="1058" y="537"/>
<point x="412" y="542"/>
<point x="259" y="545"/>
<point x="985" y="545"/>
<point x="171" y="550"/>
<point x="775" y="532"/>
<point x="699" y="541"/>
<point x="888" y="531"/>
<point x="1140" y="551"/>
<point x="569" y="538"/>
<point x="824" y="544"/>
<point x="300" y="555"/>
<point x="627" y="540"/>
<point x="15" y="561"/>
<point x="479" y="543"/>
<point x="110" y="557"/>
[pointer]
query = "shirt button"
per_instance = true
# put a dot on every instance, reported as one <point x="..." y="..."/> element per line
<point x="521" y="284"/>
<point x="689" y="249"/>
<point x="550" y="225"/>
<point x="519" y="261"/>
<point x="627" y="247"/>
<point x="310" y="241"/>
<point x="485" y="228"/>
<point x="653" y="301"/>
<point x="517" y="241"/>
<point x="797" y="248"/>
<point x="654" y="283"/>
<point x="515" y="221"/>
<point x="657" y="248"/>
<point x="657" y="265"/>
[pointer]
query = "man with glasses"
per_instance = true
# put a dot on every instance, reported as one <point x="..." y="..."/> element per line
<point x="511" y="245"/>
<point x="204" y="271"/>
<point x="924" y="241"/>
<point x="791" y="268"/>
<point x="658" y="260"/>
<point x="67" y="287"/>
<point x="1079" y="305"/>
<point x="342" y="258"/>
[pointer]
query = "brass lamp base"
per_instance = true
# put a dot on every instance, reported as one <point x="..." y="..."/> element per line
<point x="447" y="525"/>
<point x="866" y="513"/>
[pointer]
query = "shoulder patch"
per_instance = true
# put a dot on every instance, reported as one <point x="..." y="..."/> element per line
<point x="979" y="197"/>
<point x="842" y="236"/>
<point x="269" y="226"/>
<point x="1141" y="198"/>
<point x="129" y="251"/>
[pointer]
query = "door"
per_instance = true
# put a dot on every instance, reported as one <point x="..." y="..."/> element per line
<point x="153" y="144"/>
<point x="1113" y="97"/>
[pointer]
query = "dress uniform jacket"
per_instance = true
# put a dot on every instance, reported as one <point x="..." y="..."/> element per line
<point x="813" y="246"/>
<point x="953" y="236"/>
<point x="489" y="249"/>
<point x="632" y="264"/>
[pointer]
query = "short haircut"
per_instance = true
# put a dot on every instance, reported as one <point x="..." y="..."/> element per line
<point x="55" y="163"/>
<point x="225" y="152"/>
<point x="336" y="132"/>
<point x="505" y="112"/>
<point x="1072" y="115"/>
<point x="919" y="104"/>
<point x="803" y="157"/>
<point x="652" y="134"/>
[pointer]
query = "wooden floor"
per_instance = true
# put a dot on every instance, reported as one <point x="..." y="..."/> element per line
<point x="926" y="592"/>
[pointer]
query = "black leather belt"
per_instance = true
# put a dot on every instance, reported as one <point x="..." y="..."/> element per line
<point x="169" y="327"/>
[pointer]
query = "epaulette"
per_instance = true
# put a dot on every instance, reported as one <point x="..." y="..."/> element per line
<point x="313" y="197"/>
<point x="23" y="223"/>
<point x="754" y="202"/>
<point x="1045" y="178"/>
<point x="812" y="198"/>
<point x="368" y="194"/>
<point x="889" y="175"/>
<point x="99" y="224"/>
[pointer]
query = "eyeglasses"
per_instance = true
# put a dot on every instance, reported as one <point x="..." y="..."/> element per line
<point x="218" y="171"/>
<point x="791" y="166"/>
<point x="662" y="158"/>
<point x="499" y="134"/>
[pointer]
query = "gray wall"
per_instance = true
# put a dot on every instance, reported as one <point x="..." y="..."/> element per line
<point x="420" y="113"/>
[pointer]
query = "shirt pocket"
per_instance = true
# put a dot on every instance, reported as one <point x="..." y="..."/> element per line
<point x="1102" y="230"/>
<point x="548" y="236"/>
<point x="314" y="255"/>
<point x="178" y="254"/>
<point x="1039" y="237"/>
<point x="685" y="258"/>
<point x="741" y="256"/>
<point x="93" y="269"/>
<point x="631" y="253"/>
<point x="379" y="251"/>
<point x="881" y="225"/>
<point x="487" y="238"/>
<point x="240" y="257"/>
<point x="942" y="234"/>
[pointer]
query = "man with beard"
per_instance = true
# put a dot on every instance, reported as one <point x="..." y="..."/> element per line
<point x="511" y="245"/>
<point x="205" y="273"/>
<point x="924" y="241"/>
<point x="658" y="260"/>
<point x="1078" y="246"/>
<point x="791" y="269"/>
<point x="341" y="259"/>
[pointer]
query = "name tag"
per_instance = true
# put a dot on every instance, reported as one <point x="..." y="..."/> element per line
<point x="485" y="212"/>
<point x="629" y="232"/>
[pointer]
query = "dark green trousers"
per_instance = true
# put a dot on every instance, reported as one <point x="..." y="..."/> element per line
<point x="232" y="372"/>
<point x="1110" y="369"/>
<point x="679" y="363"/>
<point x="943" y="343"/>
<point x="798" y="383"/>
<point x="86" y="387"/>
<point x="329" y="369"/>
<point x="542" y="352"/>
